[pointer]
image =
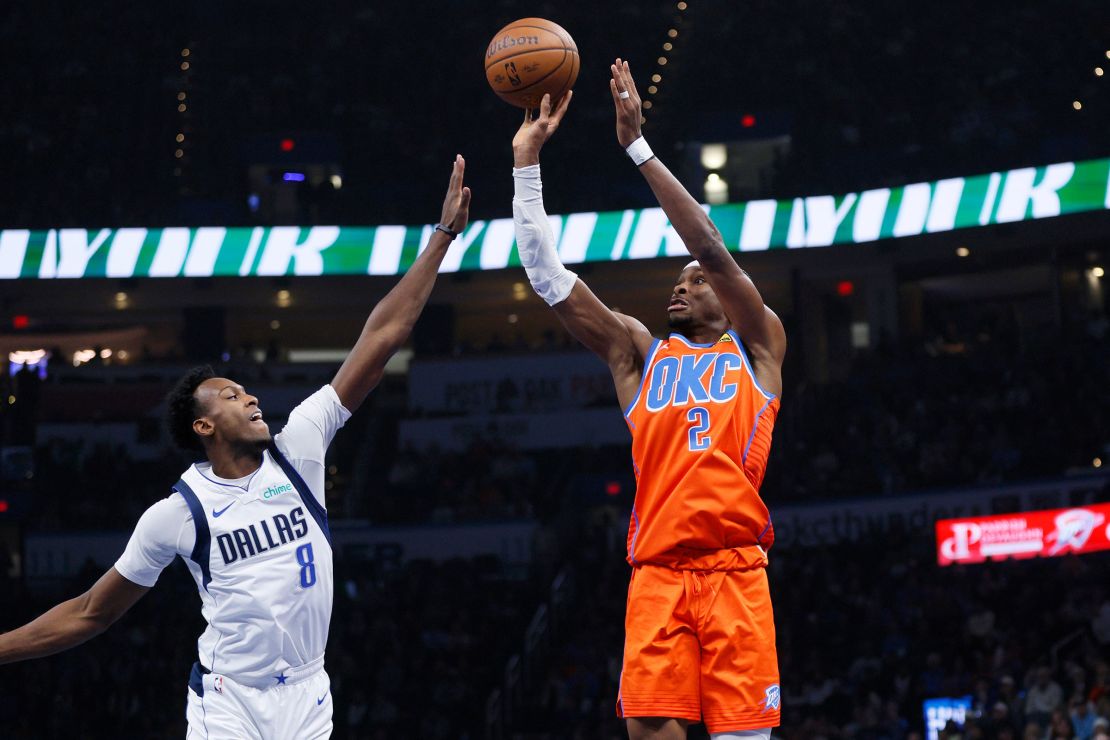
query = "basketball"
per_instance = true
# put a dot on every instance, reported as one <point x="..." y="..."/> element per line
<point x="531" y="57"/>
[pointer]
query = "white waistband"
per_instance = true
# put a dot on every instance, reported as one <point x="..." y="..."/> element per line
<point x="286" y="677"/>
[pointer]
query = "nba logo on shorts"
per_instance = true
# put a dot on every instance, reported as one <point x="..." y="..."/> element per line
<point x="772" y="697"/>
<point x="218" y="684"/>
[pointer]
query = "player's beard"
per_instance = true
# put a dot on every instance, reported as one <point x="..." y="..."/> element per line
<point x="679" y="319"/>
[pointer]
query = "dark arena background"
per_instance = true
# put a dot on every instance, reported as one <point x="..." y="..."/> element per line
<point x="919" y="190"/>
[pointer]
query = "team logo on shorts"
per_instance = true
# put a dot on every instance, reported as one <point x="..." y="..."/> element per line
<point x="218" y="684"/>
<point x="771" y="700"/>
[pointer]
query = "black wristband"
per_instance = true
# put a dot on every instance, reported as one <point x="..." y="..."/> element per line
<point x="447" y="231"/>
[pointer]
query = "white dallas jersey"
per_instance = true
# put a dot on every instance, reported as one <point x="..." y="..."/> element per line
<point x="258" y="547"/>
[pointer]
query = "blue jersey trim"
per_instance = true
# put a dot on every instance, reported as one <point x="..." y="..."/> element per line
<point x="755" y="426"/>
<point x="318" y="512"/>
<point x="632" y="547"/>
<point x="202" y="548"/>
<point x="643" y="377"/>
<point x="688" y="343"/>
<point x="748" y="364"/>
<point x="759" y="539"/>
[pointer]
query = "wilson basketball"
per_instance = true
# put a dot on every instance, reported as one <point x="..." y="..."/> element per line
<point x="528" y="58"/>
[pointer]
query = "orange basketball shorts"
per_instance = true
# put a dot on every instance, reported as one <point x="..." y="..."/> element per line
<point x="700" y="646"/>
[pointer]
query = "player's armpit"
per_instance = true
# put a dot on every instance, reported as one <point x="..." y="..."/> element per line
<point x="74" y="621"/>
<point x="621" y="341"/>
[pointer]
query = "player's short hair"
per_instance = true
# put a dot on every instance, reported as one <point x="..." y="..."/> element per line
<point x="182" y="408"/>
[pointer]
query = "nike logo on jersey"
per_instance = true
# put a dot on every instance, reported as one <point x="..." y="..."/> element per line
<point x="278" y="530"/>
<point x="321" y="700"/>
<point x="678" y="381"/>
<point x="221" y="511"/>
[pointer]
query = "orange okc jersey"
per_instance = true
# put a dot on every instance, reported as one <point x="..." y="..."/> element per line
<point x="701" y="433"/>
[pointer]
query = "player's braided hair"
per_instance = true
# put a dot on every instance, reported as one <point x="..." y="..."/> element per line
<point x="182" y="409"/>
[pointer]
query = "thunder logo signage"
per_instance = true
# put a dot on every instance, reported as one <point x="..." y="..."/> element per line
<point x="1032" y="534"/>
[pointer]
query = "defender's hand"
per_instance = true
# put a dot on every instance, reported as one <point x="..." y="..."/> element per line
<point x="626" y="99"/>
<point x="534" y="132"/>
<point x="456" y="206"/>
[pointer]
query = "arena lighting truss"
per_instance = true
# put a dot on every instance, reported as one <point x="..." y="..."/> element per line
<point x="1099" y="72"/>
<point x="661" y="63"/>
<point x="817" y="221"/>
<point x="180" y="142"/>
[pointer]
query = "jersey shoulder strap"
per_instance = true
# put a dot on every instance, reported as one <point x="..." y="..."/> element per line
<point x="319" y="513"/>
<point x="203" y="546"/>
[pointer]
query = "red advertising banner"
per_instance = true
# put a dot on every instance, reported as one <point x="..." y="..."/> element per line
<point x="1028" y="535"/>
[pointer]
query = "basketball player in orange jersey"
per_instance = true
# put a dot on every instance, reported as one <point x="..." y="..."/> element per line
<point x="700" y="404"/>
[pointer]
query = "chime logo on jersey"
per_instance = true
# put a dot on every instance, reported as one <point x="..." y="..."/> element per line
<point x="277" y="490"/>
<point x="678" y="381"/>
<point x="278" y="530"/>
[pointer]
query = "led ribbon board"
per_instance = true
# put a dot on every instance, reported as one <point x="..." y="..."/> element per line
<point x="1046" y="534"/>
<point x="816" y="221"/>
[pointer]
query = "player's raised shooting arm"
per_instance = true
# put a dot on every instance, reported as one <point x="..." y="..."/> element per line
<point x="72" y="622"/>
<point x="619" y="340"/>
<point x="756" y="324"/>
<point x="391" y="321"/>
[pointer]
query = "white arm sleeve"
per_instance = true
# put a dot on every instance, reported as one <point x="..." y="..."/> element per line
<point x="535" y="241"/>
<point x="307" y="434"/>
<point x="164" y="530"/>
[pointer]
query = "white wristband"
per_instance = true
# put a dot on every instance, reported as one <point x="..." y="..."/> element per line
<point x="639" y="151"/>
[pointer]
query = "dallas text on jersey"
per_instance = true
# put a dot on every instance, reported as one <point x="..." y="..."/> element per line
<point x="245" y="542"/>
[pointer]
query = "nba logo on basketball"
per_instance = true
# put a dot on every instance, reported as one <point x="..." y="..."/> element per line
<point x="772" y="697"/>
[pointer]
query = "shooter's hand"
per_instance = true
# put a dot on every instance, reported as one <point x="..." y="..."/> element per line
<point x="534" y="132"/>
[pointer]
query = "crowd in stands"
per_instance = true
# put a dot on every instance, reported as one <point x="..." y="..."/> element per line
<point x="911" y="423"/>
<point x="987" y="414"/>
<point x="866" y="633"/>
<point x="872" y="95"/>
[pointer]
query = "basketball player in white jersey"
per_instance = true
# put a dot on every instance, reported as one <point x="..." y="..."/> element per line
<point x="251" y="524"/>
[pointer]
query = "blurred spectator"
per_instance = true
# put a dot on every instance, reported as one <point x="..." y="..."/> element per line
<point x="1082" y="718"/>
<point x="1043" y="697"/>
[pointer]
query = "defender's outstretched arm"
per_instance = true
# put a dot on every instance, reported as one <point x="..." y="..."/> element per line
<point x="391" y="321"/>
<point x="757" y="325"/>
<point x="72" y="622"/>
<point x="621" y="341"/>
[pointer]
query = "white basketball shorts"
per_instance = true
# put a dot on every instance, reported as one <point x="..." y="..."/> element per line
<point x="228" y="710"/>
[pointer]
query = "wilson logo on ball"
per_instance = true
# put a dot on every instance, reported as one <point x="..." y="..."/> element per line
<point x="508" y="42"/>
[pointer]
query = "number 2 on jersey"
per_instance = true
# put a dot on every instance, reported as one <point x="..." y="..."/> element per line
<point x="308" y="565"/>
<point x="698" y="434"/>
